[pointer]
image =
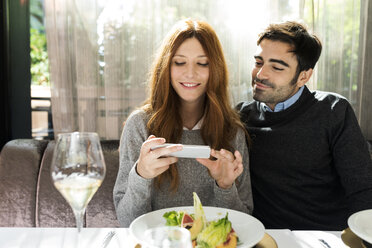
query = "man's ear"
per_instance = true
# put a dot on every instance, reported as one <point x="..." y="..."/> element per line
<point x="304" y="77"/>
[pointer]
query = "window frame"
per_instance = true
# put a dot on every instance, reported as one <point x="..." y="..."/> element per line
<point x="15" y="80"/>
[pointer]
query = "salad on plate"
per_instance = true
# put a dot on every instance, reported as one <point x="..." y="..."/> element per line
<point x="204" y="234"/>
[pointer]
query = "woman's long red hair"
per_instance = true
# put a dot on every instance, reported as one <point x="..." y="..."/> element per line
<point x="220" y="120"/>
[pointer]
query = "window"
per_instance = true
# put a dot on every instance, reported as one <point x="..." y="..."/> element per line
<point x="101" y="50"/>
<point x="41" y="114"/>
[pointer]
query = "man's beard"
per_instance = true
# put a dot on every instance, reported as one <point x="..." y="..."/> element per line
<point x="277" y="92"/>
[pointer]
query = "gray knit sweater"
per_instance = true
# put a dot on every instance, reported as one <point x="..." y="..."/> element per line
<point x="134" y="195"/>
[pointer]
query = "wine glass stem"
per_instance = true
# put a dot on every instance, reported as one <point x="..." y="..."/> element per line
<point x="79" y="216"/>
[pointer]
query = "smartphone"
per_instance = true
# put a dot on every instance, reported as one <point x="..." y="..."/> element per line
<point x="188" y="151"/>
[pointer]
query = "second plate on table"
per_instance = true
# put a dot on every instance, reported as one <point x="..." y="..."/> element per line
<point x="267" y="242"/>
<point x="249" y="230"/>
<point x="361" y="224"/>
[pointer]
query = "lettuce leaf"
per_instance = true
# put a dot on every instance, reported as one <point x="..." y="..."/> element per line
<point x="215" y="233"/>
<point x="199" y="211"/>
<point x="173" y="218"/>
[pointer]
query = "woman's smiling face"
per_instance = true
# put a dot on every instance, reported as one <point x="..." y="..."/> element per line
<point x="190" y="72"/>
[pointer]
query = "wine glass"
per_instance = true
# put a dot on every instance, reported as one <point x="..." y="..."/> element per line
<point x="167" y="237"/>
<point x="78" y="169"/>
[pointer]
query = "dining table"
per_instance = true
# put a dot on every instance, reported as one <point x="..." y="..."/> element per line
<point x="31" y="237"/>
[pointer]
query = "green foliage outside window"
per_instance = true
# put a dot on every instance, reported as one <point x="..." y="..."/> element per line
<point x="39" y="55"/>
<point x="39" y="58"/>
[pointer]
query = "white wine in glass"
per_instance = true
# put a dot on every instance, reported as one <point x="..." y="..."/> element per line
<point x="78" y="169"/>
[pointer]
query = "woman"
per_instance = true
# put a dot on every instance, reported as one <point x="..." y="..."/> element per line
<point x="188" y="104"/>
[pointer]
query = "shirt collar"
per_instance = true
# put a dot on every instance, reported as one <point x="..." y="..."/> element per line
<point x="286" y="104"/>
<point x="197" y="125"/>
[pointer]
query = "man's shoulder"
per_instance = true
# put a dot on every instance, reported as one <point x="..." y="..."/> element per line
<point x="326" y="96"/>
<point x="331" y="101"/>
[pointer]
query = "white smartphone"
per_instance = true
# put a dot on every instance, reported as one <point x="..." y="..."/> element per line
<point x="188" y="151"/>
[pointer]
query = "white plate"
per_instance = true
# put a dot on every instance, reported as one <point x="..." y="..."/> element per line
<point x="250" y="230"/>
<point x="361" y="224"/>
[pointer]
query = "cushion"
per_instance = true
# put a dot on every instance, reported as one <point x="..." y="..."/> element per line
<point x="19" y="168"/>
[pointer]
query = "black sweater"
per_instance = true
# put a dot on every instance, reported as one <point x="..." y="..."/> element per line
<point x="310" y="166"/>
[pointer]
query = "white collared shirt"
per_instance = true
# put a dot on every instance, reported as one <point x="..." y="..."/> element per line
<point x="286" y="104"/>
<point x="197" y="125"/>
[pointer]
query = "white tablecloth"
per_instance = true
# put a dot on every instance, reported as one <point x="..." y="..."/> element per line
<point x="319" y="239"/>
<point x="93" y="238"/>
<point x="63" y="238"/>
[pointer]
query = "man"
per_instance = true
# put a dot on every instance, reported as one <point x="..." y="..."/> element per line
<point x="309" y="162"/>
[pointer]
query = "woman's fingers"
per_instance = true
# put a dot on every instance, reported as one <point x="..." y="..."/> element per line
<point x="160" y="170"/>
<point x="226" y="168"/>
<point x="152" y="141"/>
<point x="153" y="162"/>
<point x="238" y="157"/>
<point x="153" y="168"/>
<point x="153" y="146"/>
<point x="166" y="161"/>
<point x="206" y="162"/>
<point x="227" y="155"/>
<point x="164" y="151"/>
<point x="239" y="170"/>
<point x="223" y="154"/>
<point x="238" y="164"/>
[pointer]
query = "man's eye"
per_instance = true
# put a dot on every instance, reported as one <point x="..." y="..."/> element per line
<point x="203" y="64"/>
<point x="277" y="68"/>
<point x="179" y="63"/>
<point x="258" y="64"/>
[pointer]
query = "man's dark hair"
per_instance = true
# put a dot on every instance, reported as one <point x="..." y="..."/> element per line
<point x="306" y="46"/>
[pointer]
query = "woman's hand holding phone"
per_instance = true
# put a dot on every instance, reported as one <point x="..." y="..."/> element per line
<point x="152" y="163"/>
<point x="226" y="168"/>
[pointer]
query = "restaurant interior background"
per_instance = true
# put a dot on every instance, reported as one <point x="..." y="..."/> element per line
<point x="99" y="52"/>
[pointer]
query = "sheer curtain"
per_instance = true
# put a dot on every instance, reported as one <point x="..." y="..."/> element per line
<point x="338" y="25"/>
<point x="344" y="67"/>
<point x="100" y="51"/>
